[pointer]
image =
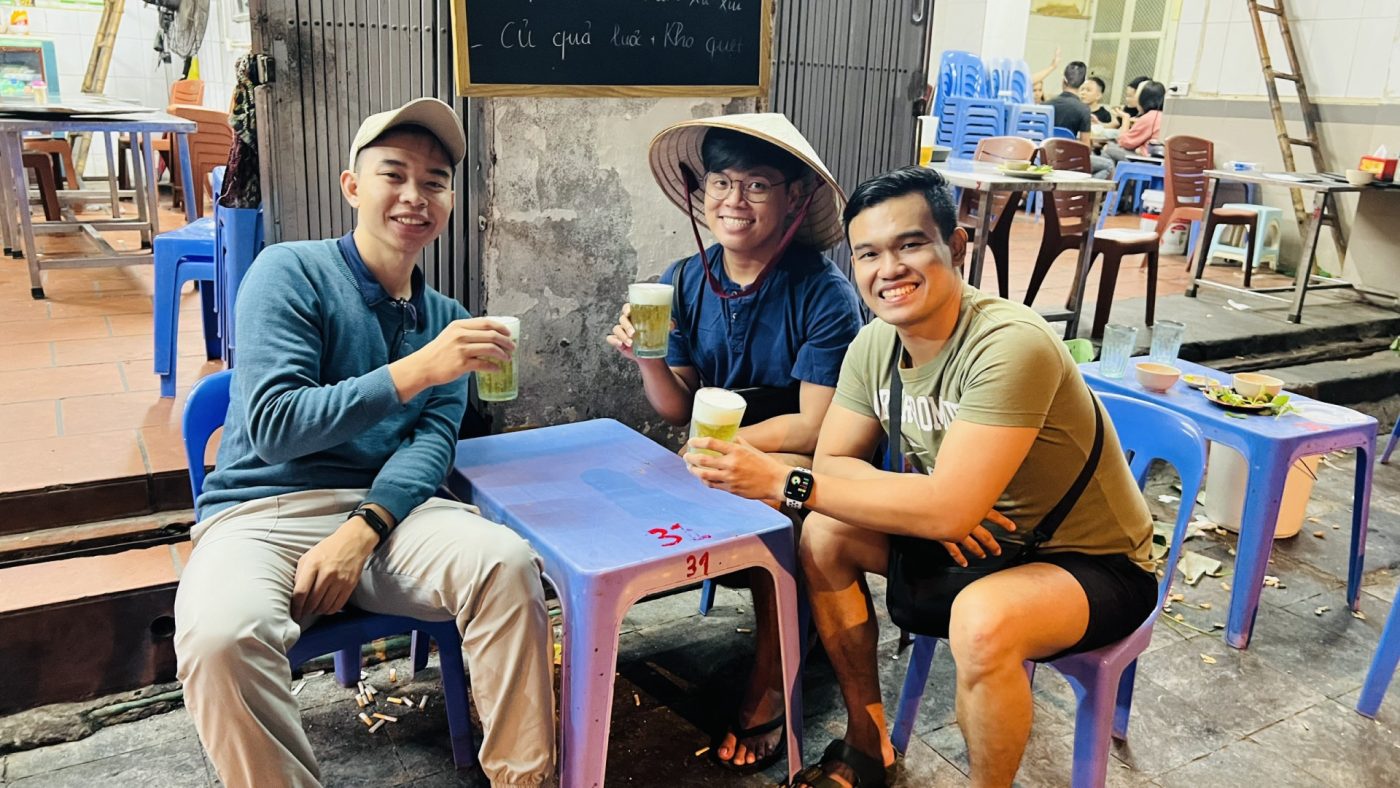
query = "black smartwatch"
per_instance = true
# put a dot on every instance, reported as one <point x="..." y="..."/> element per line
<point x="798" y="488"/>
<point x="375" y="522"/>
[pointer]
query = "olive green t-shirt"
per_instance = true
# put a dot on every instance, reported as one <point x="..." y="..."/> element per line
<point x="1002" y="366"/>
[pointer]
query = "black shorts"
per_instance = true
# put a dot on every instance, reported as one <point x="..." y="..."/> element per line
<point x="1121" y="595"/>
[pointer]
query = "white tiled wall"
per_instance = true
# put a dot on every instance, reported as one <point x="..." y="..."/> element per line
<point x="135" y="71"/>
<point x="1349" y="48"/>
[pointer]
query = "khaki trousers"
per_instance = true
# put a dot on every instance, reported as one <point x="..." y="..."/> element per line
<point x="233" y="628"/>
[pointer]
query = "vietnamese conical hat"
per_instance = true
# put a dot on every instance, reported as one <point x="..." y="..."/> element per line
<point x="680" y="144"/>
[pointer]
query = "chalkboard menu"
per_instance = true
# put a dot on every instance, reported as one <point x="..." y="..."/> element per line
<point x="612" y="47"/>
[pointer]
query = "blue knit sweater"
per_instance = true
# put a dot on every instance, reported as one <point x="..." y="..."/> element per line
<point x="312" y="404"/>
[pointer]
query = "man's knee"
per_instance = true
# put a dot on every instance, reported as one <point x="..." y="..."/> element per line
<point x="819" y="544"/>
<point x="507" y="561"/>
<point x="982" y="636"/>
<point x="223" y="643"/>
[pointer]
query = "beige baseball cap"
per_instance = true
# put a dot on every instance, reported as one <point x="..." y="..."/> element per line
<point x="430" y="113"/>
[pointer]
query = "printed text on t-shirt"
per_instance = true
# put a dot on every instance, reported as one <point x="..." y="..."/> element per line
<point x="927" y="412"/>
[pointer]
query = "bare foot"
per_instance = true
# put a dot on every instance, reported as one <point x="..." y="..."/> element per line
<point x="751" y="749"/>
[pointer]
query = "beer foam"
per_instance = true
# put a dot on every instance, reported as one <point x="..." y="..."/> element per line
<point x="718" y="407"/>
<point x="512" y="324"/>
<point x="648" y="294"/>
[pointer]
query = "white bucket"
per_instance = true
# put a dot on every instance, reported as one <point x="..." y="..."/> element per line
<point x="1174" y="237"/>
<point x="1152" y="200"/>
<point x="1225" y="489"/>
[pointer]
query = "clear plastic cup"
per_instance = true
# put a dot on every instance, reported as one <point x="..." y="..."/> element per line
<point x="716" y="414"/>
<point x="501" y="385"/>
<point x="1166" y="341"/>
<point x="1118" y="344"/>
<point x="651" y="317"/>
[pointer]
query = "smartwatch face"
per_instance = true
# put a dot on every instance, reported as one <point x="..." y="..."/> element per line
<point x="799" y="485"/>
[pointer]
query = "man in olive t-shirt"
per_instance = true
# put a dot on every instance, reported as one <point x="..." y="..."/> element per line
<point x="996" y="415"/>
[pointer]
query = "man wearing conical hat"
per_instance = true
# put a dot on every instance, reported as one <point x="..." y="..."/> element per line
<point x="761" y="311"/>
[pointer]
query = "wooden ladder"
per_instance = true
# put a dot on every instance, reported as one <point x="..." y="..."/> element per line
<point x="1287" y="141"/>
<point x="99" y="63"/>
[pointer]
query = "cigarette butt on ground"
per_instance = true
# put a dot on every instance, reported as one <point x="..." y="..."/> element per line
<point x="313" y="674"/>
<point x="743" y="630"/>
<point x="701" y="751"/>
<point x="636" y="699"/>
<point x="365" y="719"/>
<point x="393" y="674"/>
<point x="393" y="699"/>
<point x="361" y="686"/>
<point x="360" y="701"/>
<point x="363" y="675"/>
<point x="385" y="717"/>
<point x="297" y="689"/>
<point x="423" y="703"/>
<point x="376" y="726"/>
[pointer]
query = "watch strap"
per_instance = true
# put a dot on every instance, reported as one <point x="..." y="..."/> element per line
<point x="375" y="522"/>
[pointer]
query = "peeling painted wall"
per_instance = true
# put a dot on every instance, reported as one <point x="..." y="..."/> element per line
<point x="572" y="217"/>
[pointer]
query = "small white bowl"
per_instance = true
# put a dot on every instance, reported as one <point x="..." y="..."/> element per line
<point x="1360" y="177"/>
<point x="1157" y="377"/>
<point x="1252" y="384"/>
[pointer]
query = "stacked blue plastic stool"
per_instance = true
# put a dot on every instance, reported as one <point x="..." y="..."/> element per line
<point x="1141" y="174"/>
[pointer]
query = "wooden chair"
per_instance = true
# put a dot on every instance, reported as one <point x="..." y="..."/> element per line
<point x="1066" y="216"/>
<point x="1003" y="204"/>
<point x="1186" y="162"/>
<point x="209" y="148"/>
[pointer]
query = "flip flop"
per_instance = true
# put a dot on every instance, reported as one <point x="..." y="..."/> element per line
<point x="868" y="772"/>
<point x="778" y="722"/>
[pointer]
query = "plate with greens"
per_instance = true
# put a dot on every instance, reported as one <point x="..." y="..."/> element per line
<point x="1233" y="400"/>
<point x="1200" y="382"/>
<point x="1033" y="172"/>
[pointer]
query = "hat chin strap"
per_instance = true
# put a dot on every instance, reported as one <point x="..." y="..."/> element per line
<point x="692" y="184"/>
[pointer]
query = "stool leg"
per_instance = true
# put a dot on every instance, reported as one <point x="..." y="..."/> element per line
<point x="166" y="320"/>
<point x="418" y="649"/>
<point x="213" y="348"/>
<point x="1251" y="251"/>
<point x="347" y="666"/>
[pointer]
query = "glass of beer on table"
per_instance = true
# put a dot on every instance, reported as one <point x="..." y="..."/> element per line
<point x="500" y="385"/>
<point x="650" y="313"/>
<point x="716" y="414"/>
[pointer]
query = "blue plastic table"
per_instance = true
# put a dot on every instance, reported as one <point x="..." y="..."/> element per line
<point x="1270" y="447"/>
<point x="616" y="517"/>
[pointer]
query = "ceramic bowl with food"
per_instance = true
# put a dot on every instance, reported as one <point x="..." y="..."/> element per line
<point x="1157" y="377"/>
<point x="1016" y="166"/>
<point x="1253" y="384"/>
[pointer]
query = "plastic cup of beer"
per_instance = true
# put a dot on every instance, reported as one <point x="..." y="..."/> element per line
<point x="651" y="317"/>
<point x="716" y="414"/>
<point x="500" y="384"/>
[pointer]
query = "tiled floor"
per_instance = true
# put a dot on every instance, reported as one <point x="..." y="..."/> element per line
<point x="78" y="399"/>
<point x="79" y="402"/>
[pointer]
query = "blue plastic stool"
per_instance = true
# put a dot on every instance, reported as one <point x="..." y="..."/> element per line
<point x="240" y="239"/>
<point x="1102" y="679"/>
<point x="1141" y="174"/>
<point x="343" y="633"/>
<point x="1266" y="246"/>
<point x="182" y="256"/>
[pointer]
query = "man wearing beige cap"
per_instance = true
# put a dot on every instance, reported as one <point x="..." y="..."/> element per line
<point x="342" y="421"/>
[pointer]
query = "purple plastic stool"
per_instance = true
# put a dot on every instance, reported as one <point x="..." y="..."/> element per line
<point x="1103" y="678"/>
<point x="1270" y="447"/>
<point x="1390" y="444"/>
<point x="1382" y="665"/>
<point x="342" y="633"/>
<point x="615" y="517"/>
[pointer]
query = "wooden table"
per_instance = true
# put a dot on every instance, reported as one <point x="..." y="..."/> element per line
<point x="1324" y="208"/>
<point x="16" y="224"/>
<point x="985" y="178"/>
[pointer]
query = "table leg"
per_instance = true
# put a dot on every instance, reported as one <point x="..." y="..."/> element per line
<point x="1360" y="518"/>
<point x="7" y="204"/>
<point x="187" y="177"/>
<point x="1263" y="494"/>
<point x="1198" y="263"/>
<point x="107" y="143"/>
<point x="979" y="244"/>
<point x="1081" y="264"/>
<point x="586" y="684"/>
<point x="1311" y="234"/>
<point x="152" y="188"/>
<point x="15" y="154"/>
<point x="792" y="635"/>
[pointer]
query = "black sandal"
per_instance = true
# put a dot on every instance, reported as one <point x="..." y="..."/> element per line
<point x="868" y="772"/>
<point x="778" y="722"/>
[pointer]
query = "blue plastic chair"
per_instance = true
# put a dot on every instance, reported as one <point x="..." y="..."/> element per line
<point x="1390" y="445"/>
<point x="1382" y="668"/>
<point x="1102" y="679"/>
<point x="343" y="633"/>
<point x="1060" y="132"/>
<point x="181" y="256"/>
<point x="1021" y="83"/>
<point x="1141" y="174"/>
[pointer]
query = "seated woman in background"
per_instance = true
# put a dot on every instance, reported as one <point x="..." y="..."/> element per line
<point x="1130" y="108"/>
<point x="1143" y="129"/>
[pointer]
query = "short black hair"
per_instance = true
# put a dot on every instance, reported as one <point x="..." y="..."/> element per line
<point x="1135" y="81"/>
<point x="1153" y="96"/>
<point x="897" y="183"/>
<point x="1074" y="73"/>
<point x="1103" y="88"/>
<point x="724" y="149"/>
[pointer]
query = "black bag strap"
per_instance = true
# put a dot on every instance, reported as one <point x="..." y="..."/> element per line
<point x="1048" y="524"/>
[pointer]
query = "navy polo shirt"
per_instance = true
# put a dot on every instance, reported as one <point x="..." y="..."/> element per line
<point x="796" y="327"/>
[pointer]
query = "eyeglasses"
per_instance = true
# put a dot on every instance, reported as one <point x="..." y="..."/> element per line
<point x="755" y="191"/>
